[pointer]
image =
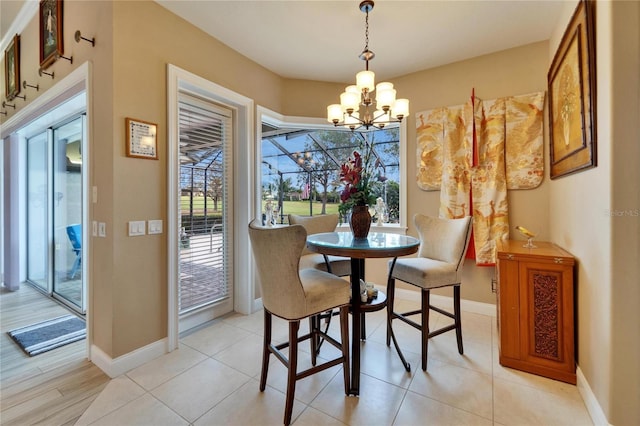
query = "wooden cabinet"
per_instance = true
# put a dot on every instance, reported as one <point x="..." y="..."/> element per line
<point x="536" y="309"/>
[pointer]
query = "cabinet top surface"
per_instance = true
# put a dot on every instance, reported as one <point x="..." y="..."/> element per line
<point x="543" y="249"/>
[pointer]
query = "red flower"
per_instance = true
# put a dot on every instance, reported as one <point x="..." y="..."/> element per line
<point x="357" y="175"/>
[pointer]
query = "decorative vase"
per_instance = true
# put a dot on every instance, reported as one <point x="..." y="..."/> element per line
<point x="360" y="221"/>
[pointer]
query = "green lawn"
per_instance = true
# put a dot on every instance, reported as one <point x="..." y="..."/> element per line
<point x="289" y="207"/>
<point x="302" y="208"/>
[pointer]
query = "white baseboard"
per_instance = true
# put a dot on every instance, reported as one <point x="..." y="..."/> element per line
<point x="593" y="406"/>
<point x="257" y="305"/>
<point x="446" y="301"/>
<point x="122" y="364"/>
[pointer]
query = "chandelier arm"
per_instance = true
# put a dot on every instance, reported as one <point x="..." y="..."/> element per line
<point x="365" y="84"/>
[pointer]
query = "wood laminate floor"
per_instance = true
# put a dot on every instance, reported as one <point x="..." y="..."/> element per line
<point x="53" y="388"/>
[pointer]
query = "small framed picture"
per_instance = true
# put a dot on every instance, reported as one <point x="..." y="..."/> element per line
<point x="51" y="46"/>
<point x="141" y="139"/>
<point x="12" y="68"/>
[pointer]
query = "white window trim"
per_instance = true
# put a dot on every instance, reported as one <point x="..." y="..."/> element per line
<point x="243" y="189"/>
<point x="265" y="115"/>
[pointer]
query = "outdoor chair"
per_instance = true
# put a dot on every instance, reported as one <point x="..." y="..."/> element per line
<point x="74" y="232"/>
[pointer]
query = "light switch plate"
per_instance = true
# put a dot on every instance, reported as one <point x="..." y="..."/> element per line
<point x="102" y="229"/>
<point x="136" y="228"/>
<point x="155" y="227"/>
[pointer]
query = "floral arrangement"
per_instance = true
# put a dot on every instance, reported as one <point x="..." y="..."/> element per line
<point x="358" y="177"/>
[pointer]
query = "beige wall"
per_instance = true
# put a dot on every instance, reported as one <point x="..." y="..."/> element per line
<point x="128" y="275"/>
<point x="607" y="247"/>
<point x="143" y="48"/>
<point x="511" y="72"/>
<point x="92" y="18"/>
<point x="625" y="278"/>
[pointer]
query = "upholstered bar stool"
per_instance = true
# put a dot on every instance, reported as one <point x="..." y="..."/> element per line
<point x="294" y="294"/>
<point x="443" y="244"/>
<point x="337" y="265"/>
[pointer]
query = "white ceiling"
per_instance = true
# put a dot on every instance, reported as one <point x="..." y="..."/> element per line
<point x="321" y="40"/>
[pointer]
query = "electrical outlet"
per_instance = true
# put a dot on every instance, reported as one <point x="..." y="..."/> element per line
<point x="102" y="229"/>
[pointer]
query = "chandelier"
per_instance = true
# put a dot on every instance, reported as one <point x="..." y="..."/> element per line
<point x="357" y="108"/>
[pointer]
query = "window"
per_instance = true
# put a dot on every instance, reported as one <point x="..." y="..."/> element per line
<point x="300" y="166"/>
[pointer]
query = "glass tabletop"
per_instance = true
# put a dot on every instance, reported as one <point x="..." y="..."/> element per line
<point x="377" y="244"/>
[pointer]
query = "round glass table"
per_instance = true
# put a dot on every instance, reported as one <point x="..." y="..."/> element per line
<point x="376" y="245"/>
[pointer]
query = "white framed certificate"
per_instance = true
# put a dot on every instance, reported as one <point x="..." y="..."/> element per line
<point x="141" y="139"/>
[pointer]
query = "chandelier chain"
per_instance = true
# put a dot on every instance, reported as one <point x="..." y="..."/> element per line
<point x="366" y="32"/>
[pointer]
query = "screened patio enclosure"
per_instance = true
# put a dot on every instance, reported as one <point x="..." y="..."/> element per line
<point x="302" y="167"/>
<point x="204" y="262"/>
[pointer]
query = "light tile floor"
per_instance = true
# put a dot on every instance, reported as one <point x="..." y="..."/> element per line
<point x="213" y="380"/>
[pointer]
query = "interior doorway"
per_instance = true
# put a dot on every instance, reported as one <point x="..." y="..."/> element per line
<point x="54" y="211"/>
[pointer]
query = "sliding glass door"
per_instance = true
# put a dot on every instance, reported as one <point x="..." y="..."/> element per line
<point x="37" y="211"/>
<point x="67" y="212"/>
<point x="54" y="212"/>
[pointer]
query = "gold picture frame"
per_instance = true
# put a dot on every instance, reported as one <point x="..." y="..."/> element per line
<point x="51" y="45"/>
<point x="12" y="68"/>
<point x="572" y="96"/>
<point x="141" y="139"/>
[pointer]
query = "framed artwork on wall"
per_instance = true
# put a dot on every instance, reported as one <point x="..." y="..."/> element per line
<point x="51" y="45"/>
<point x="572" y="96"/>
<point x="12" y="68"/>
<point x="141" y="139"/>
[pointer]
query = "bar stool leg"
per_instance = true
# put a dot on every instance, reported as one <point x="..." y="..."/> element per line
<point x="265" y="350"/>
<point x="291" y="370"/>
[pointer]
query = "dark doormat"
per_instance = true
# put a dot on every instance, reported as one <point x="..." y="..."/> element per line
<point x="43" y="336"/>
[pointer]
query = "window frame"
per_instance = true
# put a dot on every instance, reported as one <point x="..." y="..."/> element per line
<point x="265" y="115"/>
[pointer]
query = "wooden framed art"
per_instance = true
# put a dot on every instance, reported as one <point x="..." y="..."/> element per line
<point x="51" y="46"/>
<point x="12" y="68"/>
<point x="141" y="139"/>
<point x="572" y="96"/>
